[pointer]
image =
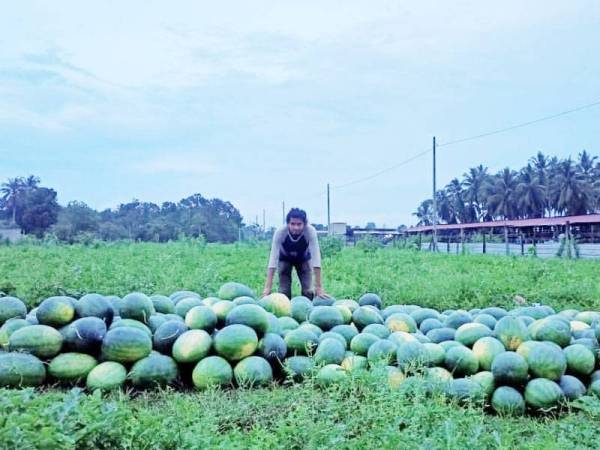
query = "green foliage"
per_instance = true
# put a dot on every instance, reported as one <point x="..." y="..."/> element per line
<point x="330" y="246"/>
<point x="369" y="244"/>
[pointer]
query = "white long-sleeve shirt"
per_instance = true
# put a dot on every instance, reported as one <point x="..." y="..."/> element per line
<point x="310" y="233"/>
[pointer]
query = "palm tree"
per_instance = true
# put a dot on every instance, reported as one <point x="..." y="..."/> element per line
<point x="11" y="190"/>
<point x="502" y="195"/>
<point x="531" y="194"/>
<point x="456" y="193"/>
<point x="445" y="207"/>
<point x="474" y="183"/>
<point x="31" y="182"/>
<point x="569" y="190"/>
<point x="424" y="213"/>
<point x="585" y="164"/>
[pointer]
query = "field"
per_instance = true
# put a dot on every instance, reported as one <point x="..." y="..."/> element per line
<point x="360" y="414"/>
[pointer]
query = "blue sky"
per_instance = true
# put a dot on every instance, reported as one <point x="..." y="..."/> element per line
<point x="266" y="101"/>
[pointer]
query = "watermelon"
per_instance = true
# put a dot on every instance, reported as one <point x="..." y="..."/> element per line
<point x="252" y="316"/>
<point x="39" y="340"/>
<point x="461" y="360"/>
<point x="370" y="299"/>
<point x="507" y="401"/>
<point x="430" y="324"/>
<point x="84" y="335"/>
<point x="464" y="390"/>
<point x="71" y="367"/>
<point x="222" y="308"/>
<point x="526" y="347"/>
<point x="382" y="352"/>
<point x="201" y="318"/>
<point x="273" y="348"/>
<point x="438" y="335"/>
<point x="542" y="393"/>
<point x="436" y="355"/>
<point x="323" y="301"/>
<point x="253" y="371"/>
<point x="330" y="351"/>
<point x="553" y="330"/>
<point x="580" y="359"/>
<point x="447" y="345"/>
<point x="131" y="323"/>
<point x="116" y="303"/>
<point x="346" y="331"/>
<point x="469" y="333"/>
<point x="155" y="321"/>
<point x="298" y="367"/>
<point x="287" y="323"/>
<point x="31" y="317"/>
<point x="310" y="327"/>
<point x="126" y="345"/>
<point x="106" y="376"/>
<point x="325" y="317"/>
<point x="377" y="329"/>
<point x="547" y="361"/>
<point x="208" y="301"/>
<point x="274" y="325"/>
<point x="346" y="313"/>
<point x="95" y="305"/>
<point x="511" y="331"/>
<point x="572" y="387"/>
<point x="21" y="370"/>
<point x="166" y="335"/>
<point x="485" y="319"/>
<point x="191" y="346"/>
<point x="56" y="311"/>
<point x="332" y="335"/>
<point x="411" y="356"/>
<point x="212" y="371"/>
<point x="244" y="300"/>
<point x="364" y="316"/>
<point x="301" y="341"/>
<point x="438" y="375"/>
<point x="10" y="308"/>
<point x="595" y="388"/>
<point x="179" y="295"/>
<point x="163" y="304"/>
<point x="300" y="308"/>
<point x="355" y="362"/>
<point x="510" y="368"/>
<point x="401" y="322"/>
<point x="232" y="290"/>
<point x="458" y="318"/>
<point x="494" y="311"/>
<point x="331" y="374"/>
<point x="400" y="337"/>
<point x="277" y="304"/>
<point x="137" y="306"/>
<point x="235" y="342"/>
<point x="486" y="381"/>
<point x="486" y="349"/>
<point x="9" y="327"/>
<point x="361" y="343"/>
<point x="153" y="370"/>
<point x="588" y="317"/>
<point x="422" y="314"/>
<point x="185" y="304"/>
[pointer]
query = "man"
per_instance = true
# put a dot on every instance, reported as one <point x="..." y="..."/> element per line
<point x="295" y="245"/>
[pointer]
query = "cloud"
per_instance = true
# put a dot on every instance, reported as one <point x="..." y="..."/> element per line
<point x="175" y="164"/>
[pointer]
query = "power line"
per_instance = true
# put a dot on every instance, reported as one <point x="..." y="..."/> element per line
<point x="466" y="139"/>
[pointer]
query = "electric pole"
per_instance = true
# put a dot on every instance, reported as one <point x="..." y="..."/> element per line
<point x="283" y="212"/>
<point x="434" y="242"/>
<point x="328" y="212"/>
<point x="264" y="224"/>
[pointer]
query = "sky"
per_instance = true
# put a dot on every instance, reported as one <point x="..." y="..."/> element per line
<point x="266" y="102"/>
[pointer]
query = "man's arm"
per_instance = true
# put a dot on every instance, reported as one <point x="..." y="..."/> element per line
<point x="273" y="261"/>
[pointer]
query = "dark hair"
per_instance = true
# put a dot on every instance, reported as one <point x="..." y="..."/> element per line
<point x="296" y="213"/>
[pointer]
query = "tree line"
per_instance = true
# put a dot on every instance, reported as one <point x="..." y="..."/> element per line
<point x="25" y="204"/>
<point x="546" y="186"/>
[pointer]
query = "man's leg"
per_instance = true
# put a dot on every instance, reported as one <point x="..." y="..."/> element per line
<point x="304" y="272"/>
<point x="285" y="278"/>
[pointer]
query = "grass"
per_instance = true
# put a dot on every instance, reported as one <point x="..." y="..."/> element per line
<point x="364" y="413"/>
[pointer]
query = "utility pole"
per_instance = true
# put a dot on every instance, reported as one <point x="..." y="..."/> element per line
<point x="328" y="212"/>
<point x="434" y="247"/>
<point x="264" y="224"/>
<point x="283" y="212"/>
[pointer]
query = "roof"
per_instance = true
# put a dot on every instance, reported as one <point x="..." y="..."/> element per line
<point x="518" y="223"/>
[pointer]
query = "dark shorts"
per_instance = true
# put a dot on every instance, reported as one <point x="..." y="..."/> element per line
<point x="304" y="271"/>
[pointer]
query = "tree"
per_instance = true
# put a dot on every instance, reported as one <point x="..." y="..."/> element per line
<point x="474" y="183"/>
<point x="11" y="191"/>
<point x="569" y="190"/>
<point x="424" y="213"/>
<point x="502" y="194"/>
<point x="531" y="195"/>
<point x="39" y="210"/>
<point x="74" y="219"/>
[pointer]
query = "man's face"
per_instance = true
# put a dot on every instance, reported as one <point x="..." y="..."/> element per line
<point x="295" y="226"/>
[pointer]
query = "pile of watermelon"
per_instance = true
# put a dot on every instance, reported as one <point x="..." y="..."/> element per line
<point x="531" y="358"/>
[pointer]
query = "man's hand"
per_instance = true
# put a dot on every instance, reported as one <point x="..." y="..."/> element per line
<point x="321" y="293"/>
<point x="266" y="291"/>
